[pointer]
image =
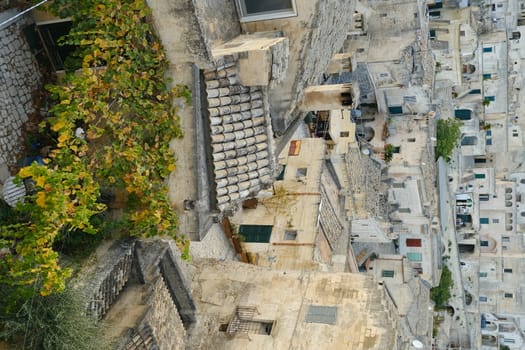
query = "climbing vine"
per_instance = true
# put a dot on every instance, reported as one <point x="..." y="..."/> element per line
<point x="118" y="98"/>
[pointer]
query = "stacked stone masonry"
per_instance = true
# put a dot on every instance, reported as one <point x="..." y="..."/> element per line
<point x="19" y="78"/>
<point x="240" y="136"/>
<point x="110" y="285"/>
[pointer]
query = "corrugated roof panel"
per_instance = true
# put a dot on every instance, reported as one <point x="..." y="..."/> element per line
<point x="322" y="314"/>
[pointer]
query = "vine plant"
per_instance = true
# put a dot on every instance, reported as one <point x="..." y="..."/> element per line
<point x="120" y="98"/>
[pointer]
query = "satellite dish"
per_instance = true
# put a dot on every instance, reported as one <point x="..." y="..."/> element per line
<point x="417" y="344"/>
<point x="366" y="151"/>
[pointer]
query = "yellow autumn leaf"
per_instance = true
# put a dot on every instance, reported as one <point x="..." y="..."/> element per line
<point x="63" y="137"/>
<point x="25" y="172"/>
<point x="171" y="167"/>
<point x="40" y="181"/>
<point x="41" y="199"/>
<point x="58" y="125"/>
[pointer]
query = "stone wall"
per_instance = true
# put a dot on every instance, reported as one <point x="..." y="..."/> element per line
<point x="161" y="327"/>
<point x="19" y="78"/>
<point x="109" y="279"/>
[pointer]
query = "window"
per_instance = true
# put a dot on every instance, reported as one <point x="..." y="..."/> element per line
<point x="432" y="33"/>
<point x="321" y="314"/>
<point x="505" y="239"/>
<point x="301" y="172"/>
<point x="281" y="174"/>
<point x="344" y="134"/>
<point x="504" y="247"/>
<point x="411" y="139"/>
<point x="409" y="99"/>
<point x="484" y="243"/>
<point x="256" y="233"/>
<point x="495" y="221"/>
<point x="387" y="273"/>
<point x="490" y="98"/>
<point x="434" y="14"/>
<point x="295" y="148"/>
<point x="413" y="242"/>
<point x="507" y="270"/>
<point x="404" y="210"/>
<point x="475" y="91"/>
<point x="479" y="176"/>
<point x="395" y="110"/>
<point x="483" y="220"/>
<point x="487" y="49"/>
<point x="499" y="5"/>
<point x="487" y="76"/>
<point x="290" y="235"/>
<point x="509" y="340"/>
<point x="483" y="274"/>
<point x="257" y="10"/>
<point x="484" y="197"/>
<point x="508" y="295"/>
<point x="463" y="114"/>
<point x="461" y="33"/>
<point x="482" y="299"/>
<point x="243" y="322"/>
<point x="415" y="257"/>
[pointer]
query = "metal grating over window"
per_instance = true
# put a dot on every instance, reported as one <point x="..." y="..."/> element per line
<point x="322" y="314"/>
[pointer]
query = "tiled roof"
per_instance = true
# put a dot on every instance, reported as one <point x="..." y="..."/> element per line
<point x="240" y="131"/>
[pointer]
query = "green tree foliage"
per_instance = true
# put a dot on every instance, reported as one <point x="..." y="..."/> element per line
<point x="448" y="135"/>
<point x="54" y="322"/>
<point x="120" y="98"/>
<point x="441" y="294"/>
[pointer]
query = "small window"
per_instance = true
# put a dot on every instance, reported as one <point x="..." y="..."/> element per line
<point x="281" y="174"/>
<point x="256" y="10"/>
<point x="487" y="76"/>
<point x="411" y="139"/>
<point x="482" y="299"/>
<point x="507" y="270"/>
<point x="360" y="50"/>
<point x="295" y="148"/>
<point x="413" y="242"/>
<point x="504" y="247"/>
<point x="432" y="33"/>
<point x="395" y="110"/>
<point x="383" y="15"/>
<point x="479" y="176"/>
<point x="344" y="134"/>
<point x="484" y="197"/>
<point x="495" y="221"/>
<point x="487" y="49"/>
<point x="483" y="274"/>
<point x="505" y="239"/>
<point x="301" y="172"/>
<point x="509" y="340"/>
<point x="475" y="91"/>
<point x="508" y="295"/>
<point x="290" y="235"/>
<point x="484" y="220"/>
<point x="404" y="210"/>
<point x="490" y="98"/>
<point x="484" y="243"/>
<point x="415" y="257"/>
<point x="499" y="5"/>
<point x="387" y="273"/>
<point x="461" y="33"/>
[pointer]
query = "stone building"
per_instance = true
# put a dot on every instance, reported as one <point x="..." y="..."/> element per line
<point x="243" y="306"/>
<point x="19" y="78"/>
